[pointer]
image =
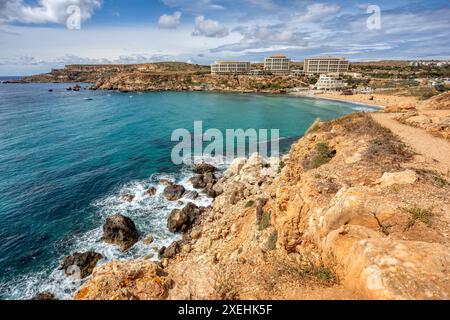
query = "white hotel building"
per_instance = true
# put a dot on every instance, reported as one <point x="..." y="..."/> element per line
<point x="329" y="83"/>
<point x="324" y="65"/>
<point x="277" y="64"/>
<point x="230" y="67"/>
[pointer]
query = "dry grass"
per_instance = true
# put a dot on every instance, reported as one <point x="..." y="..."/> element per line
<point x="226" y="285"/>
<point x="418" y="214"/>
<point x="321" y="155"/>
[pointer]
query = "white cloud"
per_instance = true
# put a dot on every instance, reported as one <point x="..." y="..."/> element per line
<point x="318" y="11"/>
<point x="209" y="28"/>
<point x="45" y="11"/>
<point x="167" y="21"/>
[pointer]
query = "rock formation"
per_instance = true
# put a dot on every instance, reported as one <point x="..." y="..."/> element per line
<point x="121" y="231"/>
<point x="80" y="264"/>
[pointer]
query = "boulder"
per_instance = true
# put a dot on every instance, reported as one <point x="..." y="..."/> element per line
<point x="44" y="296"/>
<point x="149" y="240"/>
<point x="192" y="195"/>
<point x="121" y="231"/>
<point x="204" y="168"/>
<point x="174" y="192"/>
<point x="80" y="264"/>
<point x="150" y="192"/>
<point x="181" y="220"/>
<point x="171" y="251"/>
<point x="166" y="182"/>
<point x="404" y="177"/>
<point x="128" y="197"/>
<point x="198" y="182"/>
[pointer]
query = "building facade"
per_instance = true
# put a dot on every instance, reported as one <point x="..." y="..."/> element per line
<point x="329" y="83"/>
<point x="230" y="67"/>
<point x="323" y="65"/>
<point x="277" y="64"/>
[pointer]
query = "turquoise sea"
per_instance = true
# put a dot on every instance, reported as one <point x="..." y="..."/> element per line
<point x="67" y="157"/>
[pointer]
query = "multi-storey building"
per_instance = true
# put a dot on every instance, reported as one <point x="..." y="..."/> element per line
<point x="230" y="67"/>
<point x="323" y="65"/>
<point x="277" y="64"/>
<point x="329" y="83"/>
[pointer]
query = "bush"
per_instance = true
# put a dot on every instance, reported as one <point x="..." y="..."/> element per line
<point x="418" y="214"/>
<point x="320" y="156"/>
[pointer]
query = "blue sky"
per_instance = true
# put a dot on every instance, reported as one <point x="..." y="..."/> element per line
<point x="34" y="36"/>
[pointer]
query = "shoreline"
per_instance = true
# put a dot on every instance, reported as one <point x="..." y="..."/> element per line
<point x="376" y="106"/>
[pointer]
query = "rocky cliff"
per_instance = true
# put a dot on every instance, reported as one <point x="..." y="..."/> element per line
<point x="165" y="76"/>
<point x="350" y="213"/>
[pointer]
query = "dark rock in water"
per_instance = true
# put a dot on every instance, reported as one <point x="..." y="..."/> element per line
<point x="121" y="231"/>
<point x="182" y="220"/>
<point x="198" y="182"/>
<point x="172" y="250"/>
<point x="128" y="197"/>
<point x="203" y="168"/>
<point x="202" y="180"/>
<point x="150" y="192"/>
<point x="81" y="264"/>
<point x="44" y="296"/>
<point x="161" y="252"/>
<point x="174" y="192"/>
<point x="192" y="195"/>
<point x="166" y="182"/>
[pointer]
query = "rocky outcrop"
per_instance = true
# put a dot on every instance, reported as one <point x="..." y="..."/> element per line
<point x="174" y="192"/>
<point x="44" y="296"/>
<point x="367" y="223"/>
<point x="203" y="168"/>
<point x="121" y="231"/>
<point x="80" y="265"/>
<point x="126" y="280"/>
<point x="181" y="220"/>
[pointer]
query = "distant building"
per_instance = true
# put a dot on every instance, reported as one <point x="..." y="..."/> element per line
<point x="277" y="64"/>
<point x="230" y="67"/>
<point x="329" y="83"/>
<point x="297" y="72"/>
<point x="321" y="65"/>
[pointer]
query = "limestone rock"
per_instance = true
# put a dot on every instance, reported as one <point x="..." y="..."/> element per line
<point x="80" y="264"/>
<point x="174" y="192"/>
<point x="121" y="231"/>
<point x="404" y="177"/>
<point x="126" y="280"/>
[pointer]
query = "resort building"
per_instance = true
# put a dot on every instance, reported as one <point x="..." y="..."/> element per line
<point x="230" y="67"/>
<point x="329" y="83"/>
<point x="277" y="64"/>
<point x="322" y="65"/>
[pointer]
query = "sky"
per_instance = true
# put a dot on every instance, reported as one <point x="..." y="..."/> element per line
<point x="37" y="35"/>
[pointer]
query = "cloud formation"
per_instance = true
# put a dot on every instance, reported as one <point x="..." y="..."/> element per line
<point x="167" y="21"/>
<point x="45" y="11"/>
<point x="209" y="28"/>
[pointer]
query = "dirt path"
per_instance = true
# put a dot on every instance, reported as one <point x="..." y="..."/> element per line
<point x="435" y="152"/>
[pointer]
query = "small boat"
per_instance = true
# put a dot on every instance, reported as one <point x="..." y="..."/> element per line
<point x="88" y="99"/>
<point x="50" y="90"/>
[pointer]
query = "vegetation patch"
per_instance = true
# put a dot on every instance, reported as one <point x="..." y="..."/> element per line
<point x="264" y="222"/>
<point x="418" y="214"/>
<point x="226" y="286"/>
<point x="309" y="272"/>
<point x="433" y="177"/>
<point x="320" y="156"/>
<point x="250" y="204"/>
